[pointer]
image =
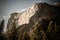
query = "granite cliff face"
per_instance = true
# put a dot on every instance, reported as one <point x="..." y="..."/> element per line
<point x="41" y="21"/>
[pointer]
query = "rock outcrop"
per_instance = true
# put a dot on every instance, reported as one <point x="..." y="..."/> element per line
<point x="41" y="21"/>
<point x="1" y="28"/>
<point x="1" y="25"/>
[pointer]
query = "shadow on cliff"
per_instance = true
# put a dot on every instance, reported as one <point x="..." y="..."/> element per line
<point x="45" y="14"/>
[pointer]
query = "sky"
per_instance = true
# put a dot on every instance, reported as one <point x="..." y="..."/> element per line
<point x="9" y="6"/>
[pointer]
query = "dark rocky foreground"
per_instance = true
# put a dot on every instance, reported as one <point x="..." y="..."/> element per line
<point x="1" y="29"/>
<point x="43" y="25"/>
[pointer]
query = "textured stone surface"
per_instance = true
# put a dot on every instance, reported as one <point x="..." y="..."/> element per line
<point x="41" y="21"/>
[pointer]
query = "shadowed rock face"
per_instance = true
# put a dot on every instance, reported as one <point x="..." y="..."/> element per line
<point x="1" y="25"/>
<point x="1" y="29"/>
<point x="41" y="21"/>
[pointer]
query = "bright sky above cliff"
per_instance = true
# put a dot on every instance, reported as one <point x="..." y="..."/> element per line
<point x="9" y="6"/>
